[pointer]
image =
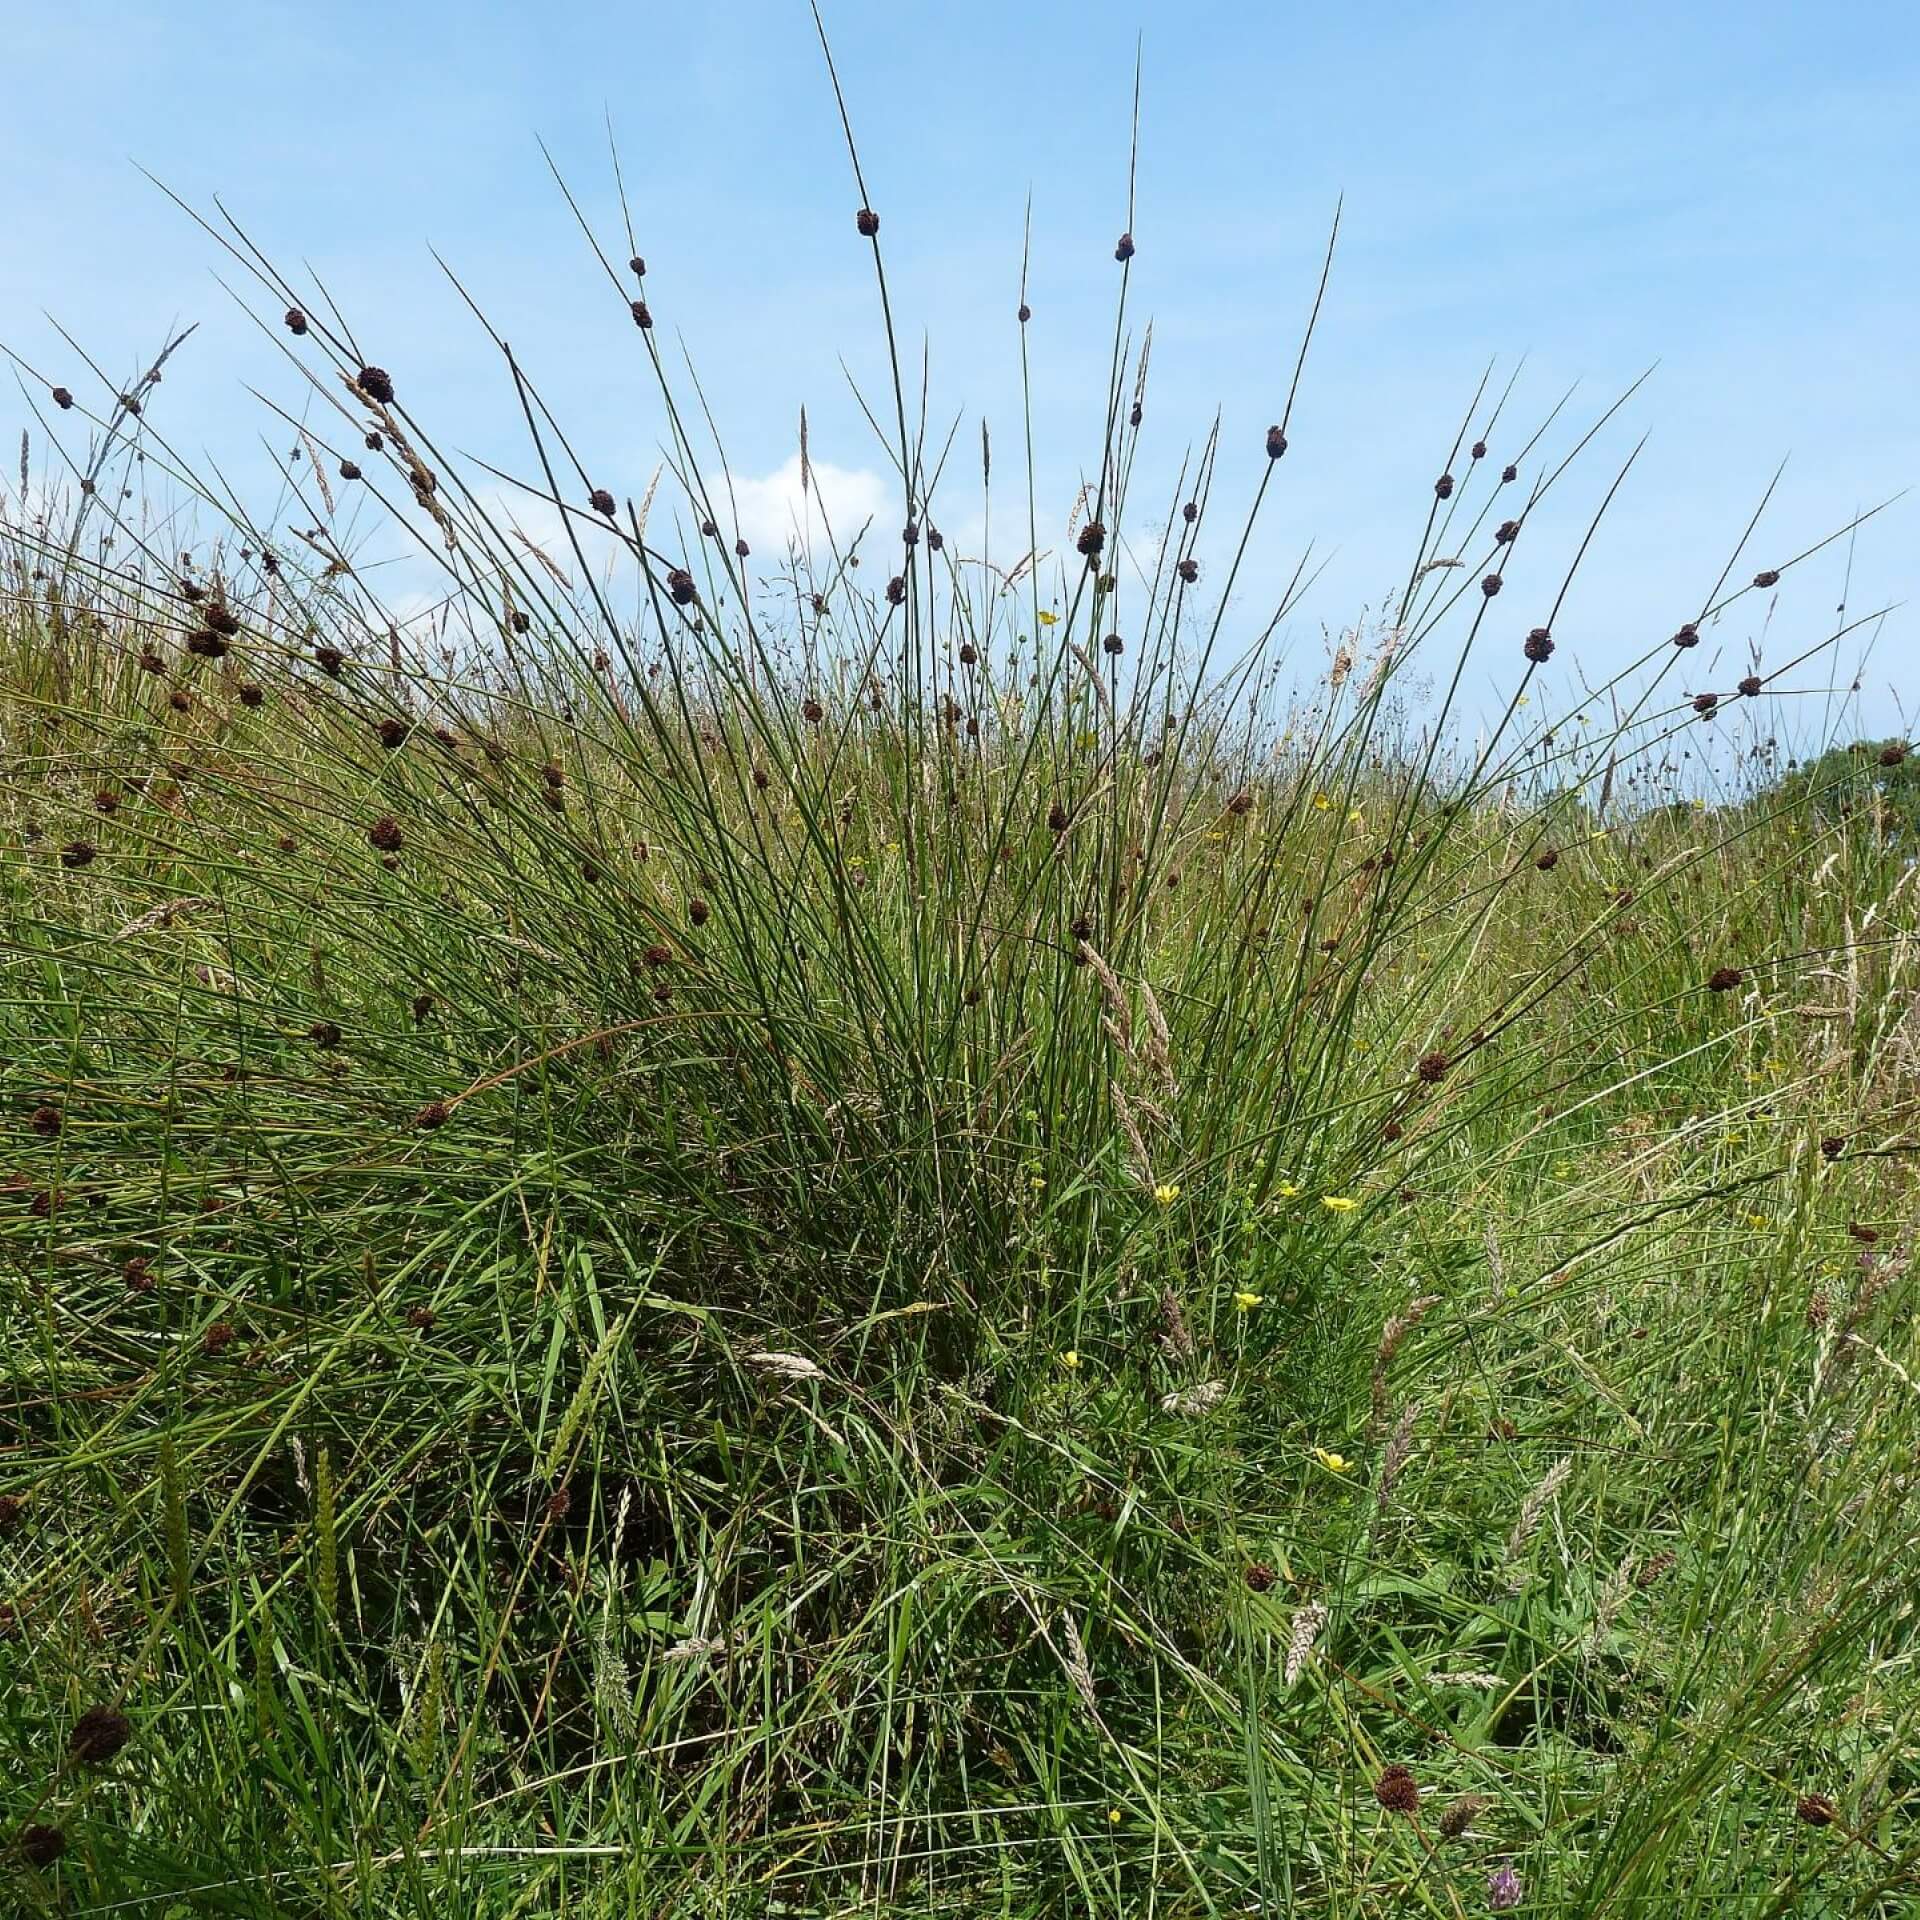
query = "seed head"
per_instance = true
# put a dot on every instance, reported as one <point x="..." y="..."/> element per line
<point x="393" y="733"/>
<point x="296" y="320"/>
<point x="638" y="267"/>
<point x="1276" y="443"/>
<point x="868" y="222"/>
<point x="1723" y="979"/>
<point x="811" y="711"/>
<point x="642" y="318"/>
<point x="385" y="834"/>
<point x="62" y="399"/>
<point x="1093" y="536"/>
<point x="1259" y="1577"/>
<point x="374" y="443"/>
<point x="1113" y="644"/>
<point x="12" y="1511"/>
<point x="1123" y="248"/>
<point x="324" y="1035"/>
<point x="1538" y="645"/>
<point x="41" y="1845"/>
<point x="1443" y="487"/>
<point x="1766" y="577"/>
<point x="1750" y="686"/>
<point x="375" y="383"/>
<point x="1891" y="756"/>
<point x="1688" y="636"/>
<point x="1397" y="1790"/>
<point x="680" y="586"/>
<point x="601" y="501"/>
<point x="1834" y="1145"/>
<point x="1705" y="703"/>
<point x="98" y="1735"/>
<point x="1490" y="585"/>
<point x="896" y="590"/>
<point x="1479" y="450"/>
<point x="1817" y="1809"/>
<point x="151" y="662"/>
<point x="1057" y="818"/>
<point x="435" y="1113"/>
<point x="77" y="853"/>
<point x="421" y="1319"/>
<point x="1189" y="570"/>
<point x="329" y="660"/>
<point x="1433" y="1068"/>
<point x="1240" y="804"/>
<point x="1458" y="1815"/>
<point x="1026" y="313"/>
<point x="1547" y="861"/>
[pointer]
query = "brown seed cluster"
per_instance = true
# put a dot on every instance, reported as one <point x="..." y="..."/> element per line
<point x="1538" y="645"/>
<point x="1397" y="1790"/>
<point x="98" y="1735"/>
<point x="1259" y="1577"/>
<point x="1723" y="979"/>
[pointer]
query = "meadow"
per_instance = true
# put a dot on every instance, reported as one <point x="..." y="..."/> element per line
<point x="892" y="1230"/>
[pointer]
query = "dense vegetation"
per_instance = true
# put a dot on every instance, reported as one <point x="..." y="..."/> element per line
<point x="737" y="1243"/>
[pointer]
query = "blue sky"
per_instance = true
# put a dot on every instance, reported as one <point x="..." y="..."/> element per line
<point x="1727" y="190"/>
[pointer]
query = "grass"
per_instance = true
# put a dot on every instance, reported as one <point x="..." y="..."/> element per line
<point x="740" y="1243"/>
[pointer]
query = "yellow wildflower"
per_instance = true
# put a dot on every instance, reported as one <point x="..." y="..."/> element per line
<point x="1166" y="1194"/>
<point x="1333" y="1462"/>
<point x="1338" y="1203"/>
<point x="1070" y="1360"/>
<point x="1246" y="1302"/>
<point x="1048" y="619"/>
<point x="1321" y="801"/>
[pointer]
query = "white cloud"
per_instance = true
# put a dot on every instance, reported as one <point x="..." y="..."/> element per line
<point x="774" y="513"/>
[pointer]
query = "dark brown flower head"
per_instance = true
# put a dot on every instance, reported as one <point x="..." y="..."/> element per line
<point x="969" y="654"/>
<point x="1259" y="1577"/>
<point x="423" y="1005"/>
<point x="1479" y="450"/>
<point x="681" y="588"/>
<point x="1509" y="474"/>
<point x="1433" y="1068"/>
<point x="1113" y="644"/>
<point x="1026" y="313"/>
<point x="638" y="267"/>
<point x="1093" y="536"/>
<point x="1867" y="1236"/>
<point x="106" y="801"/>
<point x="1123" y="248"/>
<point x="98" y="1735"/>
<point x="138" y="1274"/>
<point x="205" y="644"/>
<point x="1397" y="1790"/>
<point x="1538" y="645"/>
<point x="348" y="471"/>
<point x="1547" y="861"/>
<point x="1506" y="532"/>
<point x="385" y="834"/>
<point x="62" y="398"/>
<point x="1723" y="979"/>
<point x="658" y="956"/>
<point x="1391" y="1132"/>
<point x="1817" y="1809"/>
<point x="1490" y="585"/>
<point x="250" y="695"/>
<point x="1189" y="570"/>
<point x="77" y="853"/>
<point x="1190" y="512"/>
<point x="1276" y="443"/>
<point x="1705" y="703"/>
<point x="936" y="540"/>
<point x="1458" y="1815"/>
<point x="435" y="1113"/>
<point x="699" y="912"/>
<point x="421" y="1319"/>
<point x="13" y="1510"/>
<point x="180" y="700"/>
<point x="762" y="780"/>
<point x="374" y="443"/>
<point x="1834" y="1145"/>
<point x="896" y="590"/>
<point x="811" y="711"/>
<point x="330" y="660"/>
<point x="1766" y="577"/>
<point x="45" y="1121"/>
<point x="1241" y="803"/>
<point x="601" y="501"/>
<point x="1133" y="414"/>
<point x="1891" y="756"/>
<point x="375" y="383"/>
<point x="324" y="1035"/>
<point x="296" y="320"/>
<point x="1443" y="487"/>
<point x="1688" y="636"/>
<point x="1750" y="686"/>
<point x="151" y="662"/>
<point x="41" y="1845"/>
<point x="868" y="222"/>
<point x="1057" y="818"/>
<point x="393" y="733"/>
<point x="520" y="620"/>
<point x="642" y="315"/>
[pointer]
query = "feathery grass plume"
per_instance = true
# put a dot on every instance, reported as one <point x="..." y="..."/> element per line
<point x="1606" y="1610"/>
<point x="429" y="1708"/>
<point x="1399" y="1446"/>
<point x="584" y="1396"/>
<point x="1190" y="1403"/>
<point x="1302" y="1637"/>
<point x="1535" y="1505"/>
<point x="1391" y="1337"/>
<point x="1077" y="1669"/>
<point x="324" y="1573"/>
